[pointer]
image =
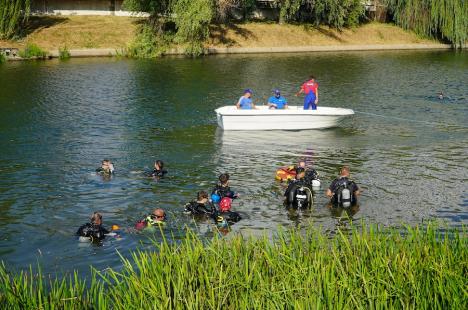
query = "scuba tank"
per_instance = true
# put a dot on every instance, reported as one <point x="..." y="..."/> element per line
<point x="345" y="197"/>
<point x="299" y="197"/>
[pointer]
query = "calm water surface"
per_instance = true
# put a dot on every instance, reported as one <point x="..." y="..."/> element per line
<point x="58" y="120"/>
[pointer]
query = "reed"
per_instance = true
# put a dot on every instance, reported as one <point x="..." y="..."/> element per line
<point x="418" y="267"/>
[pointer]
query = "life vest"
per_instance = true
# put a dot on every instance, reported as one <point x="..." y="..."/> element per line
<point x="310" y="86"/>
<point x="286" y="173"/>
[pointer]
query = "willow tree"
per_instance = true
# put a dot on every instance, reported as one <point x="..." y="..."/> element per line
<point x="444" y="19"/>
<point x="13" y="15"/>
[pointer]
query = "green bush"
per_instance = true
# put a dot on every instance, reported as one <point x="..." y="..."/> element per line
<point x="32" y="51"/>
<point x="333" y="13"/>
<point x="2" y="58"/>
<point x="64" y="53"/>
<point x="149" y="43"/>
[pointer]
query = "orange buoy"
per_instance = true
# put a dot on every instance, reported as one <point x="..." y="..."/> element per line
<point x="286" y="173"/>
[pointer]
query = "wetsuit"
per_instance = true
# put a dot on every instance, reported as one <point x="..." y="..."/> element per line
<point x="311" y="175"/>
<point x="291" y="193"/>
<point x="338" y="185"/>
<point x="197" y="208"/>
<point x="230" y="217"/>
<point x="223" y="191"/>
<point x="93" y="231"/>
<point x="103" y="172"/>
<point x="158" y="173"/>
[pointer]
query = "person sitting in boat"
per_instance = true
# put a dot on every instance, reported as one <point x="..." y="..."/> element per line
<point x="298" y="194"/>
<point x="157" y="217"/>
<point x="158" y="171"/>
<point x="222" y="189"/>
<point x="277" y="101"/>
<point x="343" y="191"/>
<point x="245" y="101"/>
<point x="106" y="169"/>
<point x="310" y="89"/>
<point x="93" y="231"/>
<point x="225" y="216"/>
<point x="201" y="206"/>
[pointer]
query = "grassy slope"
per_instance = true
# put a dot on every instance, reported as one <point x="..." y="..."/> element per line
<point x="53" y="32"/>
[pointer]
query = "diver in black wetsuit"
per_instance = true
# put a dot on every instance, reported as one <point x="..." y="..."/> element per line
<point x="106" y="169"/>
<point x="222" y="189"/>
<point x="224" y="216"/>
<point x="298" y="194"/>
<point x="93" y="230"/>
<point x="343" y="191"/>
<point x="202" y="206"/>
<point x="158" y="171"/>
<point x="310" y="173"/>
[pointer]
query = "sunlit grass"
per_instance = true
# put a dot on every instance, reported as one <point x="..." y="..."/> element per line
<point x="410" y="268"/>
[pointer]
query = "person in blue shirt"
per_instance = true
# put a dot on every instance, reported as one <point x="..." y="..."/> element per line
<point x="245" y="101"/>
<point x="277" y="101"/>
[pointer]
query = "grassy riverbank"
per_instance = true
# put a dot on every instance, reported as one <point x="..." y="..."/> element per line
<point x="84" y="32"/>
<point x="413" y="268"/>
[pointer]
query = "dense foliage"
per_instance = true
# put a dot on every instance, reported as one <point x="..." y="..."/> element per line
<point x="13" y="14"/>
<point x="334" y="13"/>
<point x="446" y="19"/>
<point x="193" y="18"/>
<point x="371" y="269"/>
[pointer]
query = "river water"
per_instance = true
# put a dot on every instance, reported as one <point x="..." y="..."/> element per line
<point x="407" y="149"/>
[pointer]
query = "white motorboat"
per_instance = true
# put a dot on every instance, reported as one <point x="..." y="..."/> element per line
<point x="293" y="118"/>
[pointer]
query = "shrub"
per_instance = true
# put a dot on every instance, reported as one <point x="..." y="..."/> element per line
<point x="32" y="50"/>
<point x="149" y="43"/>
<point x="64" y="53"/>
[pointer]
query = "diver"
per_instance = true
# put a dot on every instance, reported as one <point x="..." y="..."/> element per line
<point x="94" y="230"/>
<point x="224" y="216"/>
<point x="222" y="189"/>
<point x="202" y="206"/>
<point x="299" y="192"/>
<point x="311" y="176"/>
<point x="156" y="218"/>
<point x="106" y="169"/>
<point x="343" y="191"/>
<point x="158" y="171"/>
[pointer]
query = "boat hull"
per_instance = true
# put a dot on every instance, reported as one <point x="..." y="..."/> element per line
<point x="294" y="118"/>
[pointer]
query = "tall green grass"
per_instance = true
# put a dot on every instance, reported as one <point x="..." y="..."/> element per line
<point x="33" y="51"/>
<point x="371" y="268"/>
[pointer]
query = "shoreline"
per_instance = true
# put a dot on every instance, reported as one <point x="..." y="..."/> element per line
<point x="110" y="52"/>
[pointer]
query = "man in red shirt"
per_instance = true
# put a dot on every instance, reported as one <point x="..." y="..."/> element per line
<point x="310" y="89"/>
